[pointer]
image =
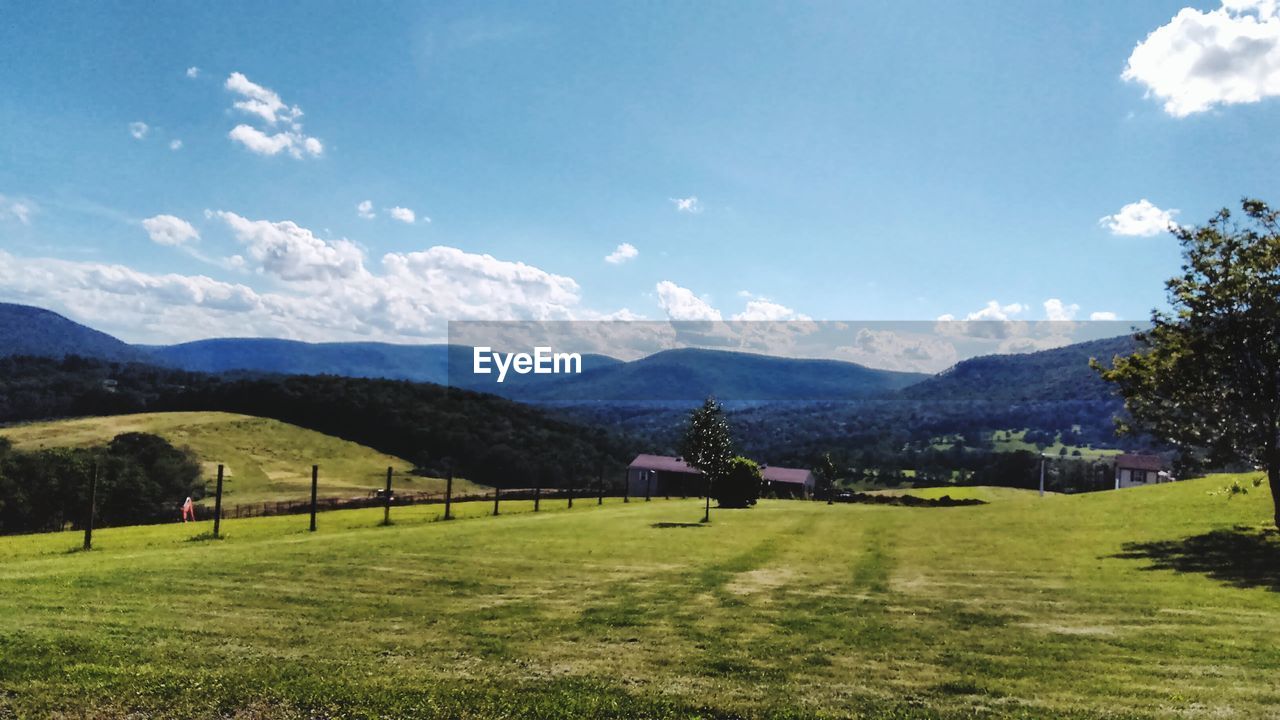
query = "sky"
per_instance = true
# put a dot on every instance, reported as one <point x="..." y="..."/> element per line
<point x="333" y="171"/>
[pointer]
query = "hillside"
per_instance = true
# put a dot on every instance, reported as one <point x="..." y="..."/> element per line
<point x="1049" y="375"/>
<point x="424" y="363"/>
<point x="26" y="330"/>
<point x="264" y="459"/>
<point x="1145" y="603"/>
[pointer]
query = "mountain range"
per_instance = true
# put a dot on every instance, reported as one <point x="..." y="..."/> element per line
<point x="673" y="376"/>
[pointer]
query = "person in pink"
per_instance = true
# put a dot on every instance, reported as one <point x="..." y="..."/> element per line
<point x="188" y="511"/>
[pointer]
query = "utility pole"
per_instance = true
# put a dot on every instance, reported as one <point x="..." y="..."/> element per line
<point x="93" y="500"/>
<point x="217" y="506"/>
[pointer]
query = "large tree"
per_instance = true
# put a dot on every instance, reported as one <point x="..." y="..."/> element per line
<point x="1206" y="376"/>
<point x="706" y="444"/>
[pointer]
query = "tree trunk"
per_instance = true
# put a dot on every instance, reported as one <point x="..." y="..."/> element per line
<point x="1273" y="477"/>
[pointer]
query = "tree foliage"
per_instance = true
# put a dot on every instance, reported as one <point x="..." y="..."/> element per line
<point x="1207" y="374"/>
<point x="740" y="487"/>
<point x="706" y="444"/>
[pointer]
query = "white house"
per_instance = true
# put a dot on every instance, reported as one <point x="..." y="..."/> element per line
<point x="1134" y="470"/>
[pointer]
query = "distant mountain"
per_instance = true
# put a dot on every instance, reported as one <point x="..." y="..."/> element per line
<point x="26" y="330"/>
<point x="1059" y="374"/>
<point x="421" y="363"/>
<point x="691" y="374"/>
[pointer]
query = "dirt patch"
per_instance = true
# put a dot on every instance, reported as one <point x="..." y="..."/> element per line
<point x="759" y="580"/>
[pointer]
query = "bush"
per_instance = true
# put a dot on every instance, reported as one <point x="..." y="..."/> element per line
<point x="739" y="488"/>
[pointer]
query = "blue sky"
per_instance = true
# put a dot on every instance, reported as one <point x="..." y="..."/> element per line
<point x="850" y="161"/>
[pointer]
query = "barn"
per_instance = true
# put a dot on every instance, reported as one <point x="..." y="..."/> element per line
<point x="663" y="475"/>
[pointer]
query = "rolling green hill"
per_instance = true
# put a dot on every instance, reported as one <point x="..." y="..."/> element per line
<point x="1155" y="602"/>
<point x="264" y="459"/>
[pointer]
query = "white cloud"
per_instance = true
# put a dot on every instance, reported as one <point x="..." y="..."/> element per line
<point x="20" y="210"/>
<point x="1139" y="219"/>
<point x="365" y="210"/>
<point x="260" y="101"/>
<point x="403" y="214"/>
<point x="687" y="205"/>
<point x="621" y="254"/>
<point x="1201" y="59"/>
<point x="893" y="350"/>
<point x="1103" y="315"/>
<point x="320" y="290"/>
<point x="193" y="72"/>
<point x="993" y="321"/>
<point x="1057" y="311"/>
<point x="263" y="144"/>
<point x="175" y="144"/>
<point x="266" y="105"/>
<point x="760" y="309"/>
<point x="170" y="230"/>
<point x="138" y="130"/>
<point x="291" y="252"/>
<point x="681" y="304"/>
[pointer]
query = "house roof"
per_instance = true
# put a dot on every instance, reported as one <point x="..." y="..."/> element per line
<point x="666" y="463"/>
<point x="663" y="463"/>
<point x="796" y="476"/>
<point x="1140" y="462"/>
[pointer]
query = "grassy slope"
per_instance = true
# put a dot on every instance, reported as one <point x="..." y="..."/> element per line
<point x="1026" y="608"/>
<point x="265" y="459"/>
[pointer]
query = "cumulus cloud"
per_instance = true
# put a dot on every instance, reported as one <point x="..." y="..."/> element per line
<point x="621" y="254"/>
<point x="992" y="321"/>
<point x="193" y="72"/>
<point x="1202" y="59"/>
<point x="170" y="230"/>
<point x="1139" y="219"/>
<point x="893" y="350"/>
<point x="1103" y="315"/>
<point x="1057" y="311"/>
<point x="17" y="209"/>
<point x="681" y="304"/>
<point x="285" y="133"/>
<point x="321" y="290"/>
<point x="175" y="144"/>
<point x="761" y="309"/>
<point x="403" y="214"/>
<point x="292" y="252"/>
<point x="687" y="205"/>
<point x="138" y="130"/>
<point x="365" y="210"/>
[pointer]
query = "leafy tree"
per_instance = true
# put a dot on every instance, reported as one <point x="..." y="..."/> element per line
<point x="740" y="487"/>
<point x="828" y="474"/>
<point x="1207" y="374"/>
<point x="706" y="444"/>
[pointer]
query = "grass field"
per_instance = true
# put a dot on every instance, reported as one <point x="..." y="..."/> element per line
<point x="265" y="460"/>
<point x="1149" y="602"/>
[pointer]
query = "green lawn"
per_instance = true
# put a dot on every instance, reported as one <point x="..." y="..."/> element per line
<point x="264" y="460"/>
<point x="1134" y="603"/>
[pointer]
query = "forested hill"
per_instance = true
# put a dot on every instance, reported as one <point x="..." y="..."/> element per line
<point x="1061" y="374"/>
<point x="26" y="330"/>
<point x="482" y="437"/>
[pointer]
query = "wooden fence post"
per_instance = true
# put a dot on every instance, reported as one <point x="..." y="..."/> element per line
<point x="93" y="499"/>
<point x="386" y="512"/>
<point x="448" y="496"/>
<point x="497" y="493"/>
<point x="571" y="481"/>
<point x="626" y="487"/>
<point x="648" y="484"/>
<point x="217" y="505"/>
<point x="315" y="475"/>
<point x="600" y="488"/>
<point x="537" y="493"/>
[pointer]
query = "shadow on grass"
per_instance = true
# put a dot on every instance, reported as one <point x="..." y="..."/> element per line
<point x="1242" y="557"/>
<point x="676" y="525"/>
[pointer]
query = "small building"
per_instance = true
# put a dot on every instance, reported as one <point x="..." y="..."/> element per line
<point x="663" y="475"/>
<point x="788" y="482"/>
<point x="1134" y="470"/>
